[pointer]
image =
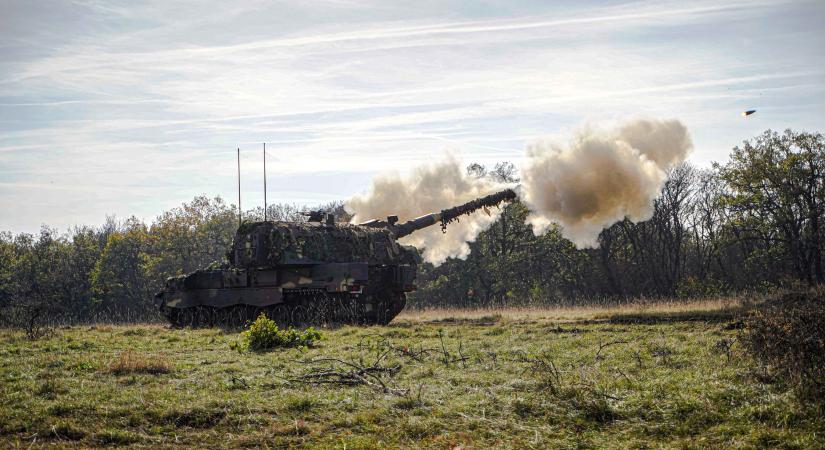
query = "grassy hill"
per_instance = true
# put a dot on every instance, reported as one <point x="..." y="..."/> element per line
<point x="651" y="376"/>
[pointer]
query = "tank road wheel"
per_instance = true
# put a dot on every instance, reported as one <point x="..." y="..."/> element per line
<point x="359" y="313"/>
<point x="220" y="316"/>
<point x="345" y="309"/>
<point x="313" y="312"/>
<point x="252" y="313"/>
<point x="211" y="317"/>
<point x="279" y="313"/>
<point x="185" y="317"/>
<point x="227" y="318"/>
<point x="204" y="316"/>
<point x="299" y="315"/>
<point x="214" y="317"/>
<point x="175" y="317"/>
<point x="194" y="317"/>
<point x="237" y="316"/>
<point x="324" y="308"/>
<point x="249" y="314"/>
<point x="197" y="316"/>
<point x="331" y="309"/>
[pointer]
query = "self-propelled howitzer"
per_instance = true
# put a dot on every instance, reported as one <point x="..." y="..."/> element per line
<point x="309" y="272"/>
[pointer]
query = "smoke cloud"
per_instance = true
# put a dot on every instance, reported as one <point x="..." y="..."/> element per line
<point x="601" y="177"/>
<point x="428" y="189"/>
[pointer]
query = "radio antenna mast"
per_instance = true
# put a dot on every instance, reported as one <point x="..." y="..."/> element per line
<point x="264" y="181"/>
<point x="240" y="220"/>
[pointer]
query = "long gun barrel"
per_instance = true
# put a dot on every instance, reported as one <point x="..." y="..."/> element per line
<point x="450" y="214"/>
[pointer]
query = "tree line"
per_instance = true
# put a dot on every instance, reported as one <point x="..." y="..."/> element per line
<point x="752" y="223"/>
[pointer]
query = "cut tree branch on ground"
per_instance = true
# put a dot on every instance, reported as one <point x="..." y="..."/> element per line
<point x="419" y="355"/>
<point x="605" y="345"/>
<point x="337" y="371"/>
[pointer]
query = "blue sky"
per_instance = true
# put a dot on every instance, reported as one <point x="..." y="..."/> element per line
<point x="130" y="108"/>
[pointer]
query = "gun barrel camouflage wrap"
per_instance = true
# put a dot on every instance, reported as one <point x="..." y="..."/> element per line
<point x="313" y="272"/>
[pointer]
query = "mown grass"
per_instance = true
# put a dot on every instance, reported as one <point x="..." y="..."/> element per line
<point x="547" y="379"/>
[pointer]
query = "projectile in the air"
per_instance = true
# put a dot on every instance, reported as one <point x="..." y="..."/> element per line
<point x="748" y="112"/>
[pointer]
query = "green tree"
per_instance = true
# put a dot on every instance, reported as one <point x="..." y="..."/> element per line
<point x="35" y="280"/>
<point x="120" y="280"/>
<point x="777" y="197"/>
<point x="189" y="237"/>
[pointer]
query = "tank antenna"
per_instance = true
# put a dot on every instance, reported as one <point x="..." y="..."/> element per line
<point x="264" y="181"/>
<point x="240" y="221"/>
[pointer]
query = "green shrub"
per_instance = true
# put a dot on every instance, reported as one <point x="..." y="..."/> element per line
<point x="263" y="334"/>
<point x="787" y="336"/>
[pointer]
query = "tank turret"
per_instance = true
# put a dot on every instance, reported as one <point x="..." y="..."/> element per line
<point x="309" y="272"/>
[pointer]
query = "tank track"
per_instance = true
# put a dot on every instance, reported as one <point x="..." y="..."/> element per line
<point x="300" y="309"/>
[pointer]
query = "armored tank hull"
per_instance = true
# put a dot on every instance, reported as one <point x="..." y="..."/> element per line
<point x="297" y="273"/>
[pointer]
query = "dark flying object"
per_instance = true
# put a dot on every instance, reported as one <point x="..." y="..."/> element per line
<point x="748" y="112"/>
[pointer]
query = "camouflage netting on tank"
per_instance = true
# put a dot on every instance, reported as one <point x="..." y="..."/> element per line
<point x="271" y="243"/>
<point x="342" y="243"/>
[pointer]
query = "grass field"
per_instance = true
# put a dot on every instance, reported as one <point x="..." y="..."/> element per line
<point x="649" y="375"/>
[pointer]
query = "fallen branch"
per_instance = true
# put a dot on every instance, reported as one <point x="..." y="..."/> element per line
<point x="356" y="374"/>
<point x="382" y="346"/>
<point x="605" y="345"/>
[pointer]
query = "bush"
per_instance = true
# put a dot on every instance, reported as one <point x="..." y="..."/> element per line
<point x="263" y="334"/>
<point x="787" y="335"/>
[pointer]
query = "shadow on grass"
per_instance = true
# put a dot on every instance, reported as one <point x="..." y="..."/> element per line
<point x="478" y="321"/>
<point x="659" y="317"/>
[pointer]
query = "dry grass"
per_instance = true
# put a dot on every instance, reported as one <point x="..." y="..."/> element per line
<point x="788" y="337"/>
<point x="129" y="362"/>
<point x="577" y="313"/>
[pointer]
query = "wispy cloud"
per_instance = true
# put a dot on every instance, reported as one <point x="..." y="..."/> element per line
<point x="131" y="108"/>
